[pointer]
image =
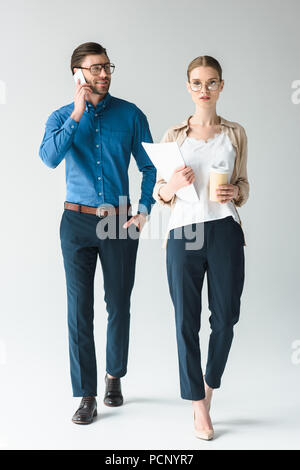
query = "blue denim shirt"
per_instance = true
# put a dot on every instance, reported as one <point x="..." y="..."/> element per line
<point x="97" y="152"/>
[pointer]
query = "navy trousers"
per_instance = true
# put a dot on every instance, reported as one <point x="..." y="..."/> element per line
<point x="81" y="246"/>
<point x="221" y="256"/>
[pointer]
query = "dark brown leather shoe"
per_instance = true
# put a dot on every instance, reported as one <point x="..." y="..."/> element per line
<point x="113" y="394"/>
<point x="86" y="411"/>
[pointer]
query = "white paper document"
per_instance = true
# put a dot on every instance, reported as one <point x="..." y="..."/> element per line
<point x="166" y="157"/>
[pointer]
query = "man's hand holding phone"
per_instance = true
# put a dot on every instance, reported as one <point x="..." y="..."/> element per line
<point x="83" y="90"/>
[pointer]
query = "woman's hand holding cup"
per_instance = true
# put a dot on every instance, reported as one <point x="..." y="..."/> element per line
<point x="227" y="192"/>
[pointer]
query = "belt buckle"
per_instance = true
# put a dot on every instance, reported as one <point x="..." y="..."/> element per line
<point x="101" y="211"/>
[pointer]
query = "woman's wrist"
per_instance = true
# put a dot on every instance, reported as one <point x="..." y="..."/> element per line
<point x="166" y="192"/>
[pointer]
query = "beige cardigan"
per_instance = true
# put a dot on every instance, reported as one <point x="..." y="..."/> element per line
<point x="238" y="137"/>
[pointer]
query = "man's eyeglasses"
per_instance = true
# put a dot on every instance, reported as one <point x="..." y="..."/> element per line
<point x="96" y="68"/>
<point x="212" y="85"/>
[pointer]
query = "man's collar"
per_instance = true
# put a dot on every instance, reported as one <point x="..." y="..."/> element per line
<point x="101" y="105"/>
<point x="185" y="123"/>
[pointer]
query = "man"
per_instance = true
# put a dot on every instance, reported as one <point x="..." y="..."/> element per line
<point x="96" y="135"/>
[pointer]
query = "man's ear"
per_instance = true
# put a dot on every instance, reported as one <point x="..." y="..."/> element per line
<point x="188" y="87"/>
<point x="75" y="70"/>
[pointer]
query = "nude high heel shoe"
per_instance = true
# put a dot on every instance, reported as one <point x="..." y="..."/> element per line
<point x="206" y="434"/>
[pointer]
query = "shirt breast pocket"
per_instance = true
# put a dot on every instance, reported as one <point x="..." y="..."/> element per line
<point x="120" y="140"/>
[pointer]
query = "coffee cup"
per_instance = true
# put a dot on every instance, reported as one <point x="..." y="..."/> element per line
<point x="217" y="176"/>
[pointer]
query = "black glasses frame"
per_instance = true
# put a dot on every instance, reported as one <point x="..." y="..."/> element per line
<point x="112" y="67"/>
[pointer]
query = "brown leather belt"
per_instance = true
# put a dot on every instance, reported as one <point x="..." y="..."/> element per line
<point x="101" y="211"/>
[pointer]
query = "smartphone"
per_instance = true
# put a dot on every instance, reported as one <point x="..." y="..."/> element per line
<point x="80" y="75"/>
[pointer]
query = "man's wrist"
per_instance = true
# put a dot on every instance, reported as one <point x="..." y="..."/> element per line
<point x="145" y="214"/>
<point x="75" y="116"/>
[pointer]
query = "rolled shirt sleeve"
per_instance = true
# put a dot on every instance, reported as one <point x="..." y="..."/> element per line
<point x="242" y="180"/>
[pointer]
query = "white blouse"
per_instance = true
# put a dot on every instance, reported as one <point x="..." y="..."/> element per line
<point x="200" y="155"/>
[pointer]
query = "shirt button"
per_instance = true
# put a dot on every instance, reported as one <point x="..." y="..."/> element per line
<point x="99" y="177"/>
<point x="96" y="115"/>
<point x="72" y="126"/>
<point x="97" y="145"/>
<point x="97" y="130"/>
<point x="100" y="194"/>
<point x="98" y="163"/>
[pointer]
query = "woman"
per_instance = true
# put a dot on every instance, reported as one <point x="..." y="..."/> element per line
<point x="205" y="140"/>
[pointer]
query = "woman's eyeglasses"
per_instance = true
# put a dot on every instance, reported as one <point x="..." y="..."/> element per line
<point x="212" y="85"/>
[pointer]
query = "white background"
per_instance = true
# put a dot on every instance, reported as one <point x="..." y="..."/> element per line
<point x="151" y="43"/>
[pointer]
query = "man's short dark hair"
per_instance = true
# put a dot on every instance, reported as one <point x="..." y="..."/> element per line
<point x="83" y="50"/>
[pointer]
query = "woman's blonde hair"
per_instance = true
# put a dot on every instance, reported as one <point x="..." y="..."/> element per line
<point x="205" y="61"/>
